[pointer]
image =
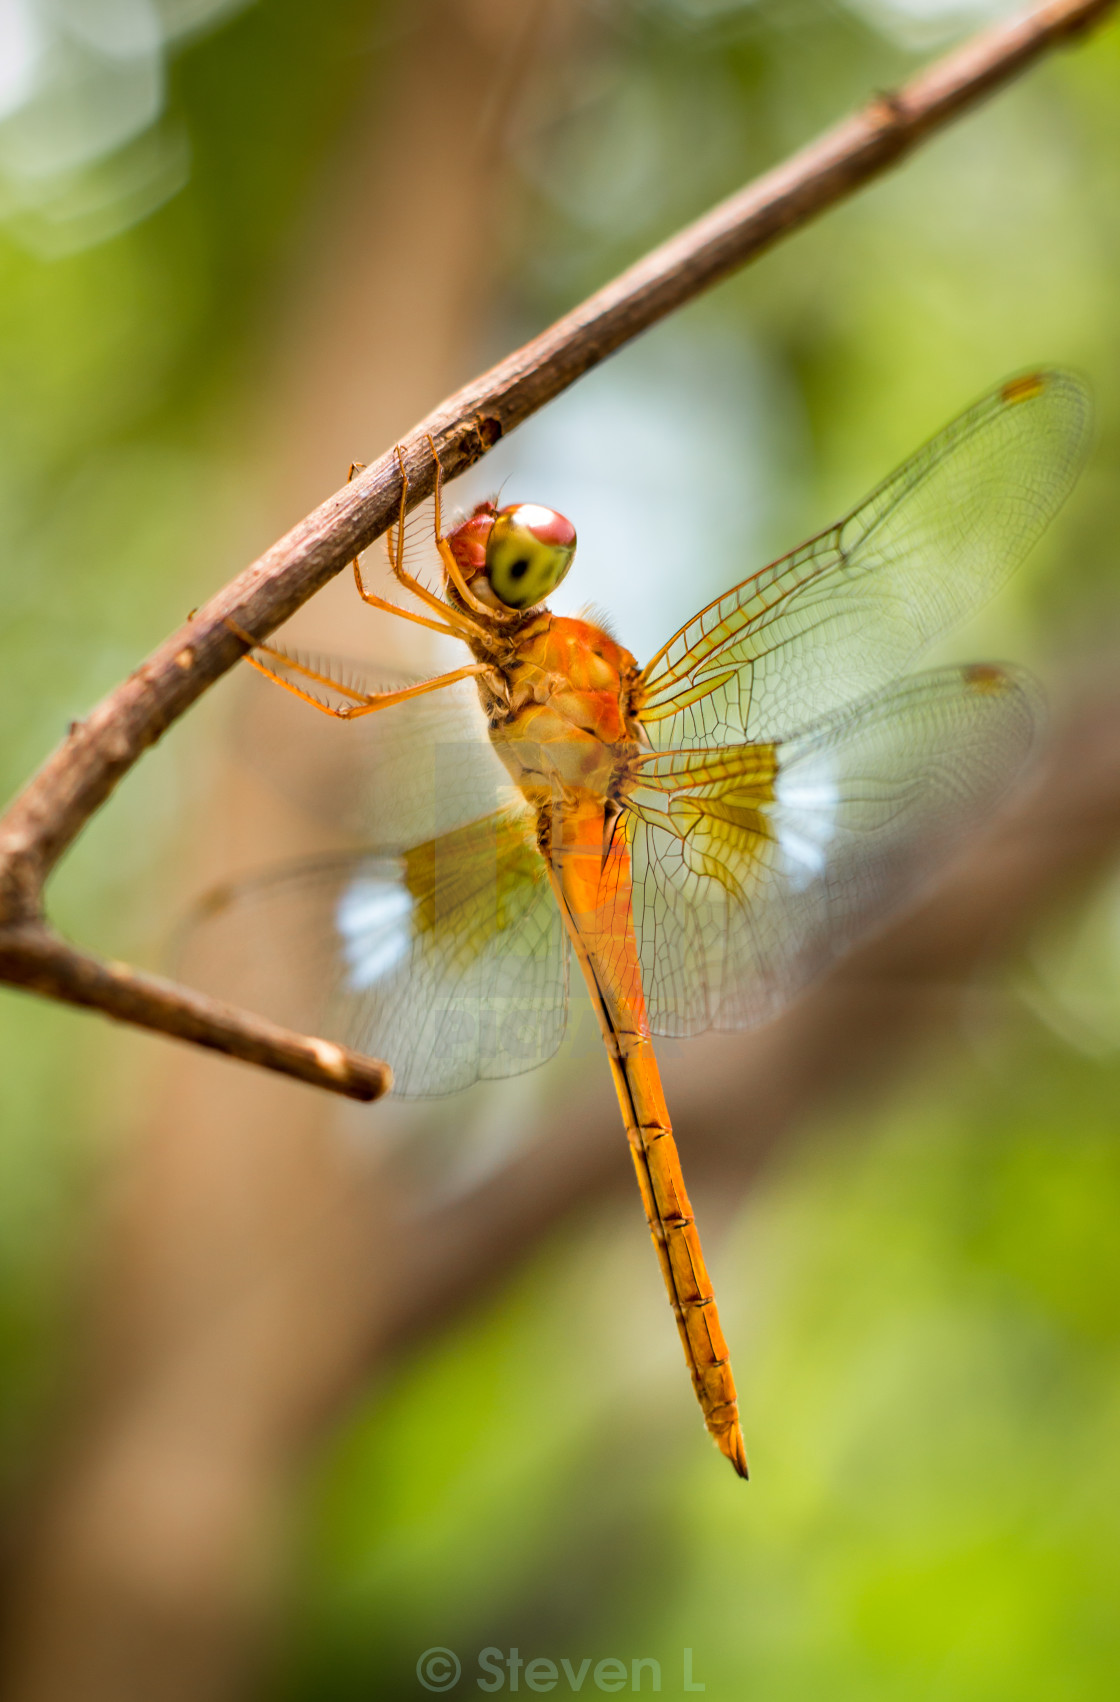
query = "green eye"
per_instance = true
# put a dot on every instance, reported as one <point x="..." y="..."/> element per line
<point x="529" y="551"/>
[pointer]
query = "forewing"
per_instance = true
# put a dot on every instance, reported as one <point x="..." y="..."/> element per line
<point x="392" y="779"/>
<point x="448" y="960"/>
<point x="755" y="866"/>
<point x="850" y="610"/>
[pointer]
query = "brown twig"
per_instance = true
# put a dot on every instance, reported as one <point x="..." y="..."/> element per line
<point x="32" y="956"/>
<point x="76" y="780"/>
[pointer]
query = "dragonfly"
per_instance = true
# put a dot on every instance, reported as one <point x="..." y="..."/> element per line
<point x="701" y="835"/>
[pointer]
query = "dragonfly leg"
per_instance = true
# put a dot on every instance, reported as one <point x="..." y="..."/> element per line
<point x="375" y="602"/>
<point x="363" y="703"/>
<point x="385" y="699"/>
<point x="451" y="566"/>
<point x="289" y="661"/>
<point x="461" y="623"/>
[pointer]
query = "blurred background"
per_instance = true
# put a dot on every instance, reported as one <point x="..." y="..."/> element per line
<point x="291" y="1392"/>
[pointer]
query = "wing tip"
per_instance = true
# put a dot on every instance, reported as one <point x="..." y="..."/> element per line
<point x="1006" y="680"/>
<point x="1024" y="388"/>
<point x="990" y="679"/>
<point x="1064" y="388"/>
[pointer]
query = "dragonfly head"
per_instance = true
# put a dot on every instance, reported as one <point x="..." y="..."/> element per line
<point x="515" y="556"/>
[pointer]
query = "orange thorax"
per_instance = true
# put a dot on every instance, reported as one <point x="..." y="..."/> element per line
<point x="562" y="725"/>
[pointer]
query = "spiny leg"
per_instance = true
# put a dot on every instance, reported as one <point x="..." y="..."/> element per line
<point x="451" y="566"/>
<point x="376" y="602"/>
<point x="371" y="597"/>
<point x="364" y="703"/>
<point x="384" y="700"/>
<point x="463" y="625"/>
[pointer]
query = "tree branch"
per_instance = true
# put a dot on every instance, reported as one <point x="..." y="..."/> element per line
<point x="32" y="956"/>
<point x="76" y="780"/>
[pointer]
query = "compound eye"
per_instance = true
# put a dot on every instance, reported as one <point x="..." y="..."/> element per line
<point x="528" y="552"/>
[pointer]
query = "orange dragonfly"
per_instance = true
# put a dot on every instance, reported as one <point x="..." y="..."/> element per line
<point x="703" y="834"/>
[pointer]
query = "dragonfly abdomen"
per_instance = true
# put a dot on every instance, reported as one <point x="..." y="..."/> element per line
<point x="590" y="874"/>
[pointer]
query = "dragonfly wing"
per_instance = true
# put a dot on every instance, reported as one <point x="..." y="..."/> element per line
<point x="754" y="866"/>
<point x="448" y="960"/>
<point x="849" y="611"/>
<point x="407" y="774"/>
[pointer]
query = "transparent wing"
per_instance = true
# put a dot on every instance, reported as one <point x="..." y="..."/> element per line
<point x="754" y="866"/>
<point x="849" y="611"/>
<point x="407" y="774"/>
<point x="449" y="960"/>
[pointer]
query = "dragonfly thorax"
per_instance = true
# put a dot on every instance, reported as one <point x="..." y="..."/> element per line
<point x="561" y="719"/>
